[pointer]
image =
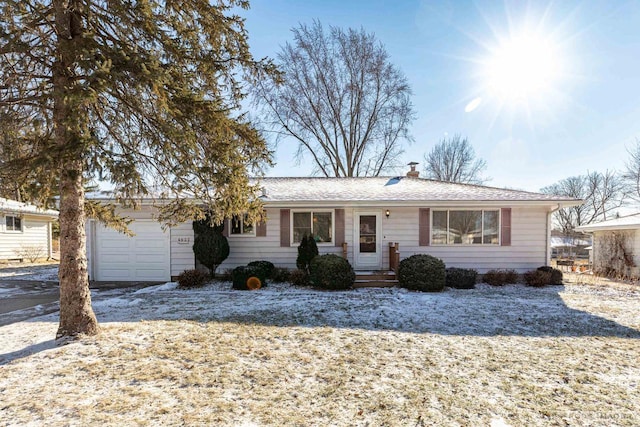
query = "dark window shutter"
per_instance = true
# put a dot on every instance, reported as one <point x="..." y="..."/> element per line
<point x="225" y="228"/>
<point x="505" y="227"/>
<point x="339" y="227"/>
<point x="424" y="226"/>
<point x="261" y="227"/>
<point x="285" y="233"/>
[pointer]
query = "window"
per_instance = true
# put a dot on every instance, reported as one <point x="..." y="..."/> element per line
<point x="240" y="226"/>
<point x="13" y="223"/>
<point x="316" y="224"/>
<point x="465" y="227"/>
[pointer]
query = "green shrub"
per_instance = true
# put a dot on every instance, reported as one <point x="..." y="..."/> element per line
<point x="211" y="248"/>
<point x="511" y="276"/>
<point x="307" y="250"/>
<point x="240" y="275"/>
<point x="422" y="273"/>
<point x="192" y="279"/>
<point x="299" y="278"/>
<point x="537" y="278"/>
<point x="461" y="278"/>
<point x="556" y="275"/>
<point x="280" y="275"/>
<point x="266" y="266"/>
<point x="500" y="277"/>
<point x="204" y="225"/>
<point x="331" y="272"/>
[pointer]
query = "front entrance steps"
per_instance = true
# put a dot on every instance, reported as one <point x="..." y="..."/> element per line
<point x="375" y="279"/>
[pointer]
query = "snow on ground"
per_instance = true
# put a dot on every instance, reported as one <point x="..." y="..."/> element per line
<point x="33" y="272"/>
<point x="562" y="355"/>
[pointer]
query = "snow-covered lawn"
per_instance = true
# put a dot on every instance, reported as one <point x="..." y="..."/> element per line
<point x="289" y="356"/>
<point x="31" y="272"/>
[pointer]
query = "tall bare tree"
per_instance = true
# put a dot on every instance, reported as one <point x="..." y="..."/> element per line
<point x="602" y="193"/>
<point x="136" y="93"/>
<point x="454" y="160"/>
<point x="631" y="174"/>
<point x="341" y="99"/>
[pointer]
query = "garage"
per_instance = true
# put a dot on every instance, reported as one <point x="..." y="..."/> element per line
<point x="120" y="258"/>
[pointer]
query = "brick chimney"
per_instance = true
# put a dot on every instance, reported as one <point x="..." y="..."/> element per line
<point x="413" y="173"/>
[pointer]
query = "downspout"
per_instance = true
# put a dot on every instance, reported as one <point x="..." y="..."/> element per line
<point x="49" y="241"/>
<point x="551" y="212"/>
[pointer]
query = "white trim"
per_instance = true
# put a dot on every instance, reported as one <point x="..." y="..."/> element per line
<point x="242" y="234"/>
<point x="4" y="223"/>
<point x="474" y="245"/>
<point x="311" y="212"/>
<point x="356" y="239"/>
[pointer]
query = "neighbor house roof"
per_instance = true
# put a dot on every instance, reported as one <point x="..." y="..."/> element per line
<point x="623" y="223"/>
<point x="568" y="242"/>
<point x="14" y="207"/>
<point x="395" y="189"/>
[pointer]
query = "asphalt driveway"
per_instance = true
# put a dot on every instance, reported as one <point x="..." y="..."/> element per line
<point x="27" y="291"/>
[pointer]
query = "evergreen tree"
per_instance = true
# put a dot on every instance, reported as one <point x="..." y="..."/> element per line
<point x="143" y="94"/>
<point x="307" y="250"/>
<point x="210" y="247"/>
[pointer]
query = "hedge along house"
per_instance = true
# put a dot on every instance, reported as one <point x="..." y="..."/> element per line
<point x="25" y="231"/>
<point x="616" y="246"/>
<point x="373" y="222"/>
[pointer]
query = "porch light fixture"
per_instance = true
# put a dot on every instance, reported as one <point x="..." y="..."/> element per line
<point x="387" y="213"/>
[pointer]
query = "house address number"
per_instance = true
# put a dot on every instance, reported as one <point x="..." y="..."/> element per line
<point x="183" y="240"/>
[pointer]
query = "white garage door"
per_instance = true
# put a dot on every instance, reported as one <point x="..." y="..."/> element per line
<point x="143" y="257"/>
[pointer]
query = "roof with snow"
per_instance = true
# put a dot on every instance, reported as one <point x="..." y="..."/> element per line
<point x="569" y="242"/>
<point x="627" y="222"/>
<point x="400" y="189"/>
<point x="8" y="206"/>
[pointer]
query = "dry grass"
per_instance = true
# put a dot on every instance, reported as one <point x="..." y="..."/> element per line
<point x="219" y="372"/>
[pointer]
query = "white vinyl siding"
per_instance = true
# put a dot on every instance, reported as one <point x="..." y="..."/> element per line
<point x="35" y="232"/>
<point x="182" y="257"/>
<point x="527" y="250"/>
<point x="268" y="248"/>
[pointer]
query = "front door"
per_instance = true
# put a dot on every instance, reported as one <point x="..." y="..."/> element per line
<point x="368" y="245"/>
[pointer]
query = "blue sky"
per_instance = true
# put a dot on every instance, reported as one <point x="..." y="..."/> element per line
<point x="581" y="116"/>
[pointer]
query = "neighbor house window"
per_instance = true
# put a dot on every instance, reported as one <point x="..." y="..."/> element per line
<point x="240" y="226"/>
<point x="465" y="227"/>
<point x="316" y="224"/>
<point x="13" y="223"/>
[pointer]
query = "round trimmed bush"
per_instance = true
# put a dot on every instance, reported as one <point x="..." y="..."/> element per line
<point x="280" y="275"/>
<point x="240" y="276"/>
<point x="500" y="277"/>
<point x="266" y="266"/>
<point x="461" y="278"/>
<point x="192" y="279"/>
<point x="537" y="278"/>
<point x="422" y="273"/>
<point x="331" y="272"/>
<point x="299" y="278"/>
<point x="556" y="275"/>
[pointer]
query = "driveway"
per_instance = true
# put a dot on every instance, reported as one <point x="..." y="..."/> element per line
<point x="27" y="291"/>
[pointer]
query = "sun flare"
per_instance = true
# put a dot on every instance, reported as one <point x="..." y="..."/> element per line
<point x="522" y="67"/>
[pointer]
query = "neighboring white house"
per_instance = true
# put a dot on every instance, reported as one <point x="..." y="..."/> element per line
<point x="616" y="245"/>
<point x="25" y="230"/>
<point x="467" y="226"/>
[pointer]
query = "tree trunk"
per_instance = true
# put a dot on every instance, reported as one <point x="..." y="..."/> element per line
<point x="76" y="314"/>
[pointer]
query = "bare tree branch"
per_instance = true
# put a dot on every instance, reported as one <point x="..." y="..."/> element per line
<point x="454" y="160"/>
<point x="341" y="99"/>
